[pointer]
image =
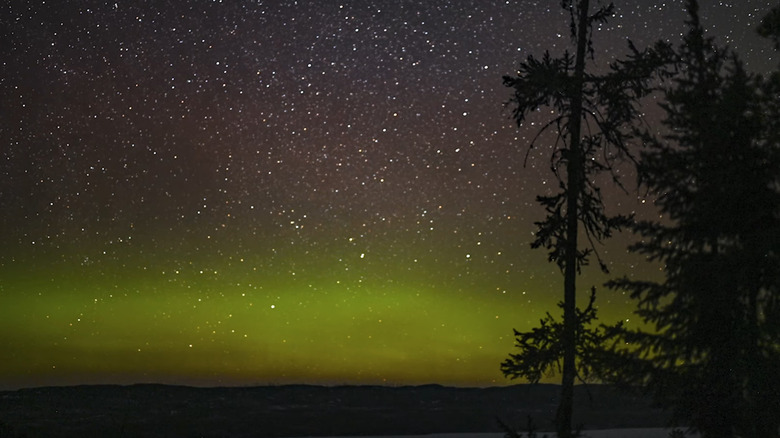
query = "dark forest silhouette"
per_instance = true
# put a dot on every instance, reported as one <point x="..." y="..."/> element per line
<point x="713" y="356"/>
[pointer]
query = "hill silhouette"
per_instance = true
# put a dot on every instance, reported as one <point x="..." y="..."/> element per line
<point x="153" y="410"/>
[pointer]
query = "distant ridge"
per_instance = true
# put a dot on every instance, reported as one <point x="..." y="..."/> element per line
<point x="159" y="410"/>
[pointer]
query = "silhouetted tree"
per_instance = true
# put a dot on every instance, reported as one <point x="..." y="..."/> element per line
<point x="713" y="355"/>
<point x="593" y="116"/>
<point x="770" y="26"/>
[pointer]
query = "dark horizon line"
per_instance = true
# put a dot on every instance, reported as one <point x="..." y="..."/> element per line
<point x="282" y="385"/>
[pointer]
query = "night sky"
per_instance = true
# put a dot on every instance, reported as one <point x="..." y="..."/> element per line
<point x="251" y="192"/>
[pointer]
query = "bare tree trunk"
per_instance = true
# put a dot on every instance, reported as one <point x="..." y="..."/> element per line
<point x="575" y="184"/>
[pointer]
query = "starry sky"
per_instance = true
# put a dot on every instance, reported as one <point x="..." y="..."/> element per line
<point x="265" y="192"/>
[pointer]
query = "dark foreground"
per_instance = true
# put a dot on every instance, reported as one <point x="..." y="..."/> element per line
<point x="300" y="410"/>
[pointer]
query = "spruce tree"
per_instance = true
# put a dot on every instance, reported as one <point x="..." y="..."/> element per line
<point x="607" y="105"/>
<point x="713" y="356"/>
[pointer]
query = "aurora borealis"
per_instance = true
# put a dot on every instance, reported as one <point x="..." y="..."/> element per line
<point x="248" y="192"/>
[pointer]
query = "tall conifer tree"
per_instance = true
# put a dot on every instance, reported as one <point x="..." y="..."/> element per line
<point x="713" y="357"/>
<point x="607" y="105"/>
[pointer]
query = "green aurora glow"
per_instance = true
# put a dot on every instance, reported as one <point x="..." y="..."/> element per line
<point x="237" y="193"/>
<point x="340" y="315"/>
